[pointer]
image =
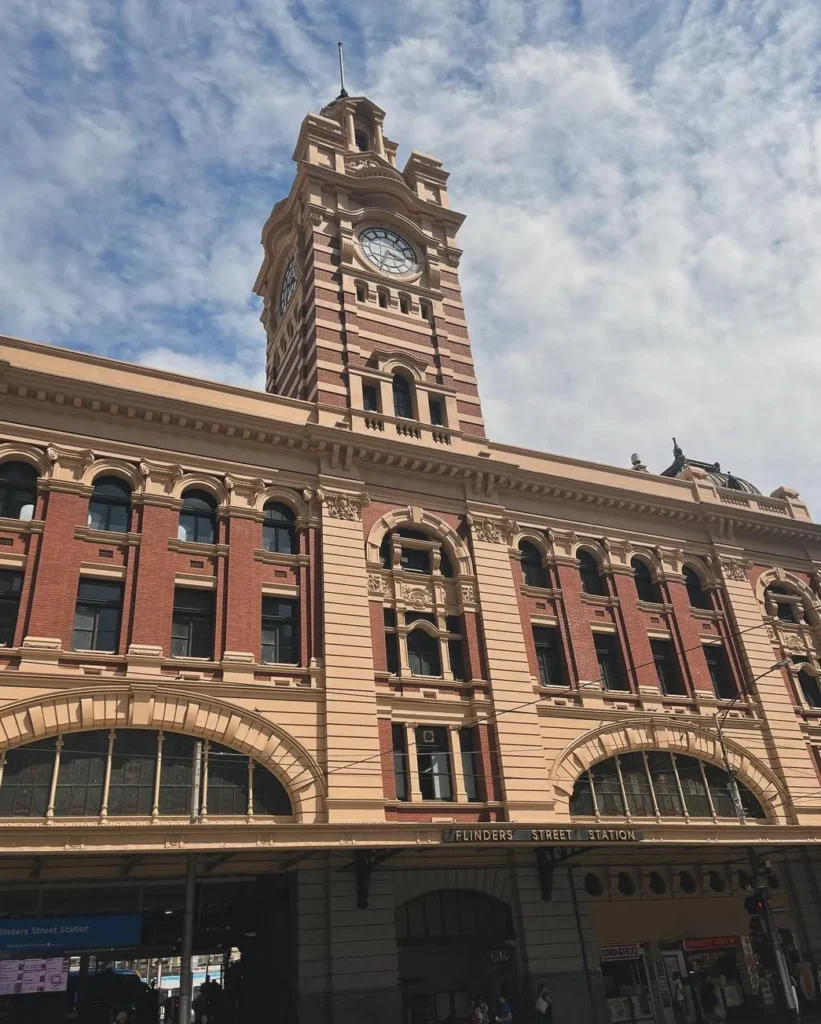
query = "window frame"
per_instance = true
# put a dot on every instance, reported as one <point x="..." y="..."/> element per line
<point x="433" y="762"/>
<point x="668" y="670"/>
<point x="94" y="607"/>
<point x="402" y="393"/>
<point x="106" y="505"/>
<point x="193" y="617"/>
<point x="718" y="665"/>
<point x="279" y="535"/>
<point x="417" y="653"/>
<point x="549" y="655"/>
<point x="204" y="523"/>
<point x="276" y="621"/>
<point x="589" y="569"/>
<point x="647" y="589"/>
<point x="10" y="605"/>
<point x="18" y="495"/>
<point x="608" y="646"/>
<point x="533" y="568"/>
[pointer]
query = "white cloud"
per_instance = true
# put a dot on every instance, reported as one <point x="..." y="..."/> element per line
<point x="642" y="184"/>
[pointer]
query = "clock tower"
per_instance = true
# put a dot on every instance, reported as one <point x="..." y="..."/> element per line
<point x="362" y="305"/>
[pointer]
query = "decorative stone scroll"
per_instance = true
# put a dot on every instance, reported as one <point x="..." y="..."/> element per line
<point x="418" y="597"/>
<point x="341" y="505"/>
<point x="494" y="531"/>
<point x="735" y="568"/>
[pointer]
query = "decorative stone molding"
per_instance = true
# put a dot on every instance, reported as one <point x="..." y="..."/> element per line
<point x="377" y="585"/>
<point x="69" y="463"/>
<point x="418" y="597"/>
<point x="341" y="505"/>
<point x="162" y="475"/>
<point x="735" y="568"/>
<point x="469" y="593"/>
<point x="494" y="531"/>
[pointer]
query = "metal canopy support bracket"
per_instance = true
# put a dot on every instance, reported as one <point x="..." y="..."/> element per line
<point x="364" y="863"/>
<point x="548" y="858"/>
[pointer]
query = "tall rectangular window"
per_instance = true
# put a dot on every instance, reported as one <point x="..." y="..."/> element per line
<point x="11" y="583"/>
<point x="667" y="668"/>
<point x="455" y="648"/>
<point x="97" y="616"/>
<point x="468" y="749"/>
<point x="433" y="762"/>
<point x="437" y="415"/>
<point x="192" y="629"/>
<point x="611" y="668"/>
<point x="400" y="761"/>
<point x="716" y="658"/>
<point x="370" y="398"/>
<point x="391" y="641"/>
<point x="280" y="631"/>
<point x="548" y="655"/>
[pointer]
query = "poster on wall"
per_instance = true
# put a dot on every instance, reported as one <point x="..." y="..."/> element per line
<point x="21" y="977"/>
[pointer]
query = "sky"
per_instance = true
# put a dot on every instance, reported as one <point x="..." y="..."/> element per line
<point x="641" y="179"/>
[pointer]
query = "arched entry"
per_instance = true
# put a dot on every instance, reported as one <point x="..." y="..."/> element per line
<point x="454" y="944"/>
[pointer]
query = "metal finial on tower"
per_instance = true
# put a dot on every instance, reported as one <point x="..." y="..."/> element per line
<point x="677" y="452"/>
<point x="342" y="91"/>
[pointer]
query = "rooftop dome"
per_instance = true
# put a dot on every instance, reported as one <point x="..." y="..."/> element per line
<point x="713" y="471"/>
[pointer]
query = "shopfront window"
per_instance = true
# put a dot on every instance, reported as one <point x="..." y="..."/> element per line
<point x="656" y="783"/>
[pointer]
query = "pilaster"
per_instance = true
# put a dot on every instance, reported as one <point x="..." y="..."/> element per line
<point x="354" y="780"/>
<point x="528" y="792"/>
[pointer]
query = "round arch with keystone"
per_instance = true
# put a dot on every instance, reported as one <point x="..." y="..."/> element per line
<point x="193" y="715"/>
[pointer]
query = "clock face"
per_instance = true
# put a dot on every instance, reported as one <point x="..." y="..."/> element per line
<point x="286" y="292"/>
<point x="387" y="251"/>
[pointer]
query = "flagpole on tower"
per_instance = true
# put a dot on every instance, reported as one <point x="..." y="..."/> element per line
<point x="342" y="92"/>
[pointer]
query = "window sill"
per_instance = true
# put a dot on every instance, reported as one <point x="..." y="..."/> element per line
<point x="280" y="558"/>
<point x="658" y="607"/>
<point x="450" y="805"/>
<point x="106" y="536"/>
<point x="21" y="526"/>
<point x="190" y="547"/>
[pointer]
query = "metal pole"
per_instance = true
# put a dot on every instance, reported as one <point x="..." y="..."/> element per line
<point x="775" y="939"/>
<point x="342" y="92"/>
<point x="734" y="793"/>
<point x="186" y="977"/>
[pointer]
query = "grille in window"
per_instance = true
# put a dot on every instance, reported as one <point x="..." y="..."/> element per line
<point x="280" y="575"/>
<point x="102" y="553"/>
<point x="197" y="564"/>
<point x="6" y="541"/>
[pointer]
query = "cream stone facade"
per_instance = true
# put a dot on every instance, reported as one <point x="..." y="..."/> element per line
<point x="454" y="682"/>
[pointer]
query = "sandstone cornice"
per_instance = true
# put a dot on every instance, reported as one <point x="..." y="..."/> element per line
<point x="110" y="391"/>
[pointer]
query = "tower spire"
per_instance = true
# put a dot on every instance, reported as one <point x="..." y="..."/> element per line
<point x="342" y="91"/>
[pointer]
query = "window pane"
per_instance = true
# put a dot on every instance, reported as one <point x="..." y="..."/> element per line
<point x="423" y="654"/>
<point x="131" y="790"/>
<point x="81" y="774"/>
<point x="664" y="784"/>
<point x="10" y="587"/>
<point x="548" y="656"/>
<point x="719" y="784"/>
<point x="608" y="793"/>
<point x="470" y="763"/>
<point x="392" y="652"/>
<point x="636" y="785"/>
<point x="227" y="780"/>
<point x="27" y="780"/>
<point x="581" y="802"/>
<point x="692" y="785"/>
<point x="400" y="762"/>
<point x="270" y="796"/>
<point x="175" y="776"/>
<point x="433" y="762"/>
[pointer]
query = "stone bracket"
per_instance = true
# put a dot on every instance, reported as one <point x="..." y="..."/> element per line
<point x="548" y="858"/>
<point x="365" y="861"/>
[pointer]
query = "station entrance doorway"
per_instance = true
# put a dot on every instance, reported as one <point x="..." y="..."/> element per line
<point x="83" y="938"/>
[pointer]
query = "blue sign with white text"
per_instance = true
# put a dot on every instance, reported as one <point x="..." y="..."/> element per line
<point x="92" y="931"/>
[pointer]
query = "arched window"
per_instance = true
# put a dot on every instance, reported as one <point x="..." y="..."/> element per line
<point x="361" y="140"/>
<point x="696" y="594"/>
<point x="402" y="401"/>
<point x="198" y="517"/>
<point x="532" y="568"/>
<point x="18" y="490"/>
<point x="592" y="582"/>
<point x="278" y="529"/>
<point x="645" y="587"/>
<point x="653" y="783"/>
<point x="121" y="774"/>
<point x="414" y="557"/>
<point x="784" y="603"/>
<point x="110" y="505"/>
<point x="423" y="653"/>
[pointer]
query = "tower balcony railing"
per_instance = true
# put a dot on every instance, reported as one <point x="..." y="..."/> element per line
<point x="413" y="429"/>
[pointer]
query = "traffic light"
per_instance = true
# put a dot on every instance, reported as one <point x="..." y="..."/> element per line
<point x="754" y="904"/>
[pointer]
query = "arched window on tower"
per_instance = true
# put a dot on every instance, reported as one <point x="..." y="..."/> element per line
<point x="424" y="654"/>
<point x="110" y="505"/>
<point x="784" y="603"/>
<point x="646" y="588"/>
<point x="278" y="529"/>
<point x="198" y="517"/>
<point x="534" y="572"/>
<point x="402" y="400"/>
<point x="592" y="582"/>
<point x="696" y="594"/>
<point x="361" y="140"/>
<point x="18" y="490"/>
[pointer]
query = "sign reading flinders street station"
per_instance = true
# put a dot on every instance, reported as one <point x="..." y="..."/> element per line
<point x="542" y="835"/>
